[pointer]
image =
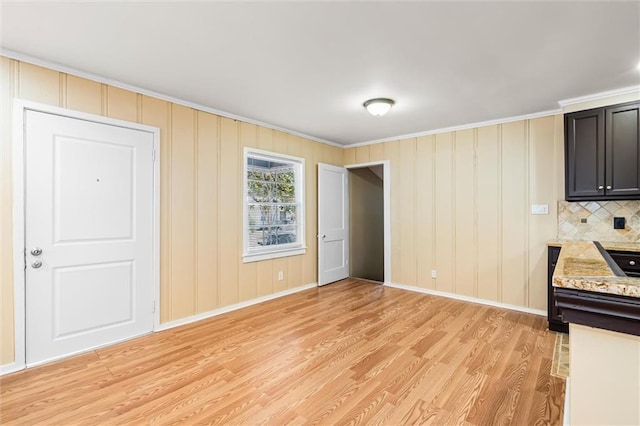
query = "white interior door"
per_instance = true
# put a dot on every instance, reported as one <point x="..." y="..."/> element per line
<point x="333" y="224"/>
<point x="89" y="210"/>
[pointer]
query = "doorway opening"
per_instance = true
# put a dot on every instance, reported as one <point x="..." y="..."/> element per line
<point x="366" y="219"/>
<point x="370" y="221"/>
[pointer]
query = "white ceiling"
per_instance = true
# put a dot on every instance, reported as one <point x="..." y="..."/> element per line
<point x="309" y="66"/>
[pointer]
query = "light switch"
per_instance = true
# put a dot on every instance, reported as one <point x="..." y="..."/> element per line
<point x="539" y="208"/>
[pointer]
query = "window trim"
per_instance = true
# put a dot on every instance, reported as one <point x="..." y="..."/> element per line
<point x="283" y="250"/>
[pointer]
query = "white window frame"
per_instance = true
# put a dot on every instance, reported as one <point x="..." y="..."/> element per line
<point x="281" y="250"/>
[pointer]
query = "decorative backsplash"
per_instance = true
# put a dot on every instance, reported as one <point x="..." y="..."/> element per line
<point x="599" y="220"/>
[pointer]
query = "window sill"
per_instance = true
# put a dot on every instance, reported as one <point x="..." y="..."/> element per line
<point x="256" y="257"/>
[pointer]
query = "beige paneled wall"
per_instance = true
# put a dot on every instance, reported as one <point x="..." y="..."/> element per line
<point x="200" y="184"/>
<point x="460" y="204"/>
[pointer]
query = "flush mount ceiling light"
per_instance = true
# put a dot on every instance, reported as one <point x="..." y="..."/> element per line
<point x="378" y="106"/>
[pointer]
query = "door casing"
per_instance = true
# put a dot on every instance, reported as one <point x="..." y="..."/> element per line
<point x="386" y="189"/>
<point x="18" y="162"/>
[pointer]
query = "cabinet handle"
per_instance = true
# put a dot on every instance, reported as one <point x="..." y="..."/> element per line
<point x="608" y="186"/>
<point x="632" y="262"/>
<point x="601" y="187"/>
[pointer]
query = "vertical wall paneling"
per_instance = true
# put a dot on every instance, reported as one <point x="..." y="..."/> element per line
<point x="444" y="217"/>
<point x="514" y="220"/>
<point x="541" y="191"/>
<point x="280" y="265"/>
<point x="265" y="139"/>
<point x="230" y="217"/>
<point x="279" y="142"/>
<point x="527" y="215"/>
<point x="62" y="91"/>
<point x="408" y="262"/>
<point x="247" y="272"/>
<point x="336" y="156"/>
<point x="362" y="154"/>
<point x="349" y="156"/>
<point x="207" y="213"/>
<point x="8" y="74"/>
<point x="39" y="84"/>
<point x="200" y="194"/>
<point x="196" y="211"/>
<point x="392" y="153"/>
<point x="122" y="104"/>
<point x="183" y="200"/>
<point x="488" y="252"/>
<point x="376" y="152"/>
<point x="465" y="259"/>
<point x="83" y="95"/>
<point x="424" y="195"/>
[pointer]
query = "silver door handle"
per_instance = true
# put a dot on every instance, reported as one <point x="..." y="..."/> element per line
<point x="36" y="264"/>
<point x="36" y="251"/>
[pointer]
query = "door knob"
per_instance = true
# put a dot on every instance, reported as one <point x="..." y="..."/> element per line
<point x="36" y="251"/>
<point x="36" y="264"/>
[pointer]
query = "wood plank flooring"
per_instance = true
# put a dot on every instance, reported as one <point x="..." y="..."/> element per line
<point x="348" y="353"/>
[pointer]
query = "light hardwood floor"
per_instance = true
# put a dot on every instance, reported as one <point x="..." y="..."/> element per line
<point x="349" y="353"/>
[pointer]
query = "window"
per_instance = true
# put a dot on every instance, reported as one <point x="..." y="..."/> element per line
<point x="273" y="206"/>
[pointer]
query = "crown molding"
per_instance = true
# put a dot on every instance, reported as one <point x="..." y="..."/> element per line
<point x="101" y="79"/>
<point x="458" y="128"/>
<point x="601" y="95"/>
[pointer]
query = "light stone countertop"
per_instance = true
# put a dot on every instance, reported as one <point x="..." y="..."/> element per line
<point x="607" y="245"/>
<point x="582" y="267"/>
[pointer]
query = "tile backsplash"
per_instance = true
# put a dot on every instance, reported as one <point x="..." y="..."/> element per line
<point x="599" y="220"/>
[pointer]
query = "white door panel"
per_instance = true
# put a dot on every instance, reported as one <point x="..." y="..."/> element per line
<point x="105" y="210"/>
<point x="89" y="207"/>
<point x="333" y="224"/>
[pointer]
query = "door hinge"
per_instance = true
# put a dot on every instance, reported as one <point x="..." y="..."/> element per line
<point x="153" y="306"/>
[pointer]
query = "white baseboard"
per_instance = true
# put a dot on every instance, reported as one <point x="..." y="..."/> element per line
<point x="220" y="311"/>
<point x="11" y="368"/>
<point x="468" y="299"/>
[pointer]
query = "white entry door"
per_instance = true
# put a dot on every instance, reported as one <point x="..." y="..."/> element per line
<point x="88" y="234"/>
<point x="333" y="224"/>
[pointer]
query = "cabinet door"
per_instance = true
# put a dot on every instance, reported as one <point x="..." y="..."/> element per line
<point x="623" y="150"/>
<point x="553" y="313"/>
<point x="584" y="154"/>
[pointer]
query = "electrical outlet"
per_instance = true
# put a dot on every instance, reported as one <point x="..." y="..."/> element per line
<point x="619" y="222"/>
<point x="434" y="273"/>
<point x="280" y="276"/>
<point x="539" y="208"/>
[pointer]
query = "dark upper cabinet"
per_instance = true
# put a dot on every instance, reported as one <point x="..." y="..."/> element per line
<point x="602" y="153"/>
<point x="584" y="154"/>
